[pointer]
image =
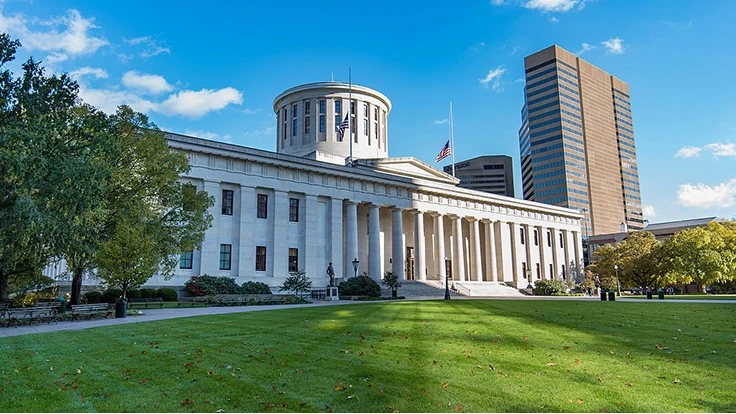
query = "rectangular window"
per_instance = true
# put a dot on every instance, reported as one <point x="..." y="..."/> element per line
<point x="352" y="128"/>
<point x="185" y="260"/>
<point x="225" y="255"/>
<point x="523" y="269"/>
<point x="365" y="110"/>
<point x="227" y="202"/>
<point x="293" y="209"/>
<point x="539" y="272"/>
<point x="338" y="106"/>
<point x="322" y="123"/>
<point x="551" y="269"/>
<point x="307" y="125"/>
<point x="564" y="276"/>
<point x="536" y="238"/>
<point x="365" y="127"/>
<point x="521" y="234"/>
<point x="293" y="260"/>
<point x="307" y="108"/>
<point x="261" y="258"/>
<point x="262" y="206"/>
<point x="322" y="105"/>
<point x="549" y="238"/>
<point x="293" y="127"/>
<point x="562" y="243"/>
<point x="283" y="118"/>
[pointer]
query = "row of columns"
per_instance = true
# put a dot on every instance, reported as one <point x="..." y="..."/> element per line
<point x="476" y="250"/>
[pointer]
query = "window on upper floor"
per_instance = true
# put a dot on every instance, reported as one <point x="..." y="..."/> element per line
<point x="227" y="202"/>
<point x="293" y="209"/>
<point x="521" y="235"/>
<point x="262" y="208"/>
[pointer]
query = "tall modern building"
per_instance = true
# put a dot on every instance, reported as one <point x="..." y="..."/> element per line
<point x="490" y="173"/>
<point x="577" y="141"/>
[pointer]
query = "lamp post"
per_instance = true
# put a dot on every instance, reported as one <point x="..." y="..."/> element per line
<point x="447" y="288"/>
<point x="355" y="262"/>
<point x="618" y="285"/>
<point x="529" y="279"/>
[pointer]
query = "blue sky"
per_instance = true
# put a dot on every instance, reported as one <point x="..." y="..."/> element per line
<point x="212" y="70"/>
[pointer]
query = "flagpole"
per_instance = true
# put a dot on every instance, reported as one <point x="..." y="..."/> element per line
<point x="350" y="114"/>
<point x="452" y="141"/>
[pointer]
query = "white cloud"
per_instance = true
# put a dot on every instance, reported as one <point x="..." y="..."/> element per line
<point x="64" y="36"/>
<point x="648" y="211"/>
<point x="585" y="47"/>
<point x="722" y="150"/>
<point x="688" y="152"/>
<point x="552" y="5"/>
<point x="152" y="47"/>
<point x="441" y="121"/>
<point x="198" y="103"/>
<point x="108" y="100"/>
<point x="493" y="78"/>
<point x="145" y="82"/>
<point x="249" y="111"/>
<point x="614" y="46"/>
<point x="85" y="71"/>
<point x="265" y="131"/>
<point x="705" y="196"/>
<point x="214" y="136"/>
<point x="498" y="2"/>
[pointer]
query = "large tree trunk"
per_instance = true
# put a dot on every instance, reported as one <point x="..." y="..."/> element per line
<point x="76" y="286"/>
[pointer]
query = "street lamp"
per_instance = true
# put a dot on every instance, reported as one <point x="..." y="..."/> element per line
<point x="447" y="285"/>
<point x="529" y="278"/>
<point x="355" y="262"/>
<point x="618" y="285"/>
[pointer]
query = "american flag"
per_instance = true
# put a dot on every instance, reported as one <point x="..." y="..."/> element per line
<point x="343" y="126"/>
<point x="446" y="150"/>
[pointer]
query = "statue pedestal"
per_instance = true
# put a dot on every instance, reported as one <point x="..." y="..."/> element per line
<point x="332" y="293"/>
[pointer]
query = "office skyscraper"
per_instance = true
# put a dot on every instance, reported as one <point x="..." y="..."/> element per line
<point x="577" y="141"/>
<point x="490" y="173"/>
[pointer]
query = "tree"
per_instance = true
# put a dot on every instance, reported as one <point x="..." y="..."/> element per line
<point x="392" y="281"/>
<point x="154" y="215"/>
<point x="703" y="255"/>
<point x="297" y="282"/>
<point x="50" y="177"/>
<point x="639" y="258"/>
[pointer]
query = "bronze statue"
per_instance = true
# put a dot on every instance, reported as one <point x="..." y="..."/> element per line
<point x="331" y="274"/>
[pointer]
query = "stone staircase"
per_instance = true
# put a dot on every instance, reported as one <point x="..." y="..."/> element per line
<point x="488" y="289"/>
<point x="415" y="288"/>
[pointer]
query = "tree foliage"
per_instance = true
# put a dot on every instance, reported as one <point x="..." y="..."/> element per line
<point x="297" y="282"/>
<point x="639" y="261"/>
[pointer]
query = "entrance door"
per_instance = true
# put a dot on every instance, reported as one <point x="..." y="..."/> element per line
<point x="409" y="263"/>
<point x="448" y="268"/>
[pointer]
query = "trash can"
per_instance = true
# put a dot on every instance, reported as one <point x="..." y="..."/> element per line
<point x="660" y="293"/>
<point x="603" y="295"/>
<point x="62" y="300"/>
<point x="120" y="306"/>
<point x="611" y="296"/>
<point x="649" y="294"/>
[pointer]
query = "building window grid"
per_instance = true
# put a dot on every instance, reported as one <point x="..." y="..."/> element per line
<point x="521" y="235"/>
<point x="293" y="260"/>
<point x="307" y="117"/>
<point x="293" y="120"/>
<point x="227" y="202"/>
<point x="262" y="208"/>
<point x="185" y="259"/>
<point x="536" y="238"/>
<point x="260" y="258"/>
<point x="225" y="256"/>
<point x="294" y="209"/>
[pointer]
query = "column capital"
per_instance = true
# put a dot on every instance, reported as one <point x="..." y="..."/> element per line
<point x="487" y="221"/>
<point x="351" y="202"/>
<point x="471" y="219"/>
<point x="395" y="209"/>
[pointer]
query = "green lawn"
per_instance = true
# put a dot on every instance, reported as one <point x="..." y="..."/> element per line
<point x="431" y="356"/>
<point x="695" y="296"/>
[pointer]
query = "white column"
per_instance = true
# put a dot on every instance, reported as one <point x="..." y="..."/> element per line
<point x="542" y="243"/>
<point x="336" y="244"/>
<point x="513" y="227"/>
<point x="555" y="262"/>
<point x="210" y="254"/>
<point x="311" y="252"/>
<point x="566" y="250"/>
<point x="477" y="263"/>
<point x="421" y="259"/>
<point x="578" y="245"/>
<point x="351" y="237"/>
<point x="247" y="254"/>
<point x="459" y="259"/>
<point x="374" y="243"/>
<point x="490" y="251"/>
<point x="280" y="264"/>
<point x="439" y="233"/>
<point x="397" y="243"/>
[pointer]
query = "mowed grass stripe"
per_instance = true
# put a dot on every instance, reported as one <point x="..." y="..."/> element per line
<point x="430" y="356"/>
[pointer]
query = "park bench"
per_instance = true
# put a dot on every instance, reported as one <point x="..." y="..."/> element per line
<point x="194" y="300"/>
<point x="145" y="302"/>
<point x="32" y="314"/>
<point x="91" y="310"/>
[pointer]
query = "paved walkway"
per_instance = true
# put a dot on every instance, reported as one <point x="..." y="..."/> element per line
<point x="160" y="314"/>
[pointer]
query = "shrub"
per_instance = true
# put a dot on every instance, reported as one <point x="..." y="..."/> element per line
<point x="255" y="288"/>
<point x="92" y="296"/>
<point x="297" y="282"/>
<point x="211" y="285"/>
<point x="149" y="293"/>
<point x="111" y="295"/>
<point x="360" y="286"/>
<point x="392" y="281"/>
<point x="134" y="293"/>
<point x="549" y="287"/>
<point x="167" y="294"/>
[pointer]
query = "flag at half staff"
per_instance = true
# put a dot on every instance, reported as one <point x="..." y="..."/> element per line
<point x="446" y="150"/>
<point x="343" y="126"/>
